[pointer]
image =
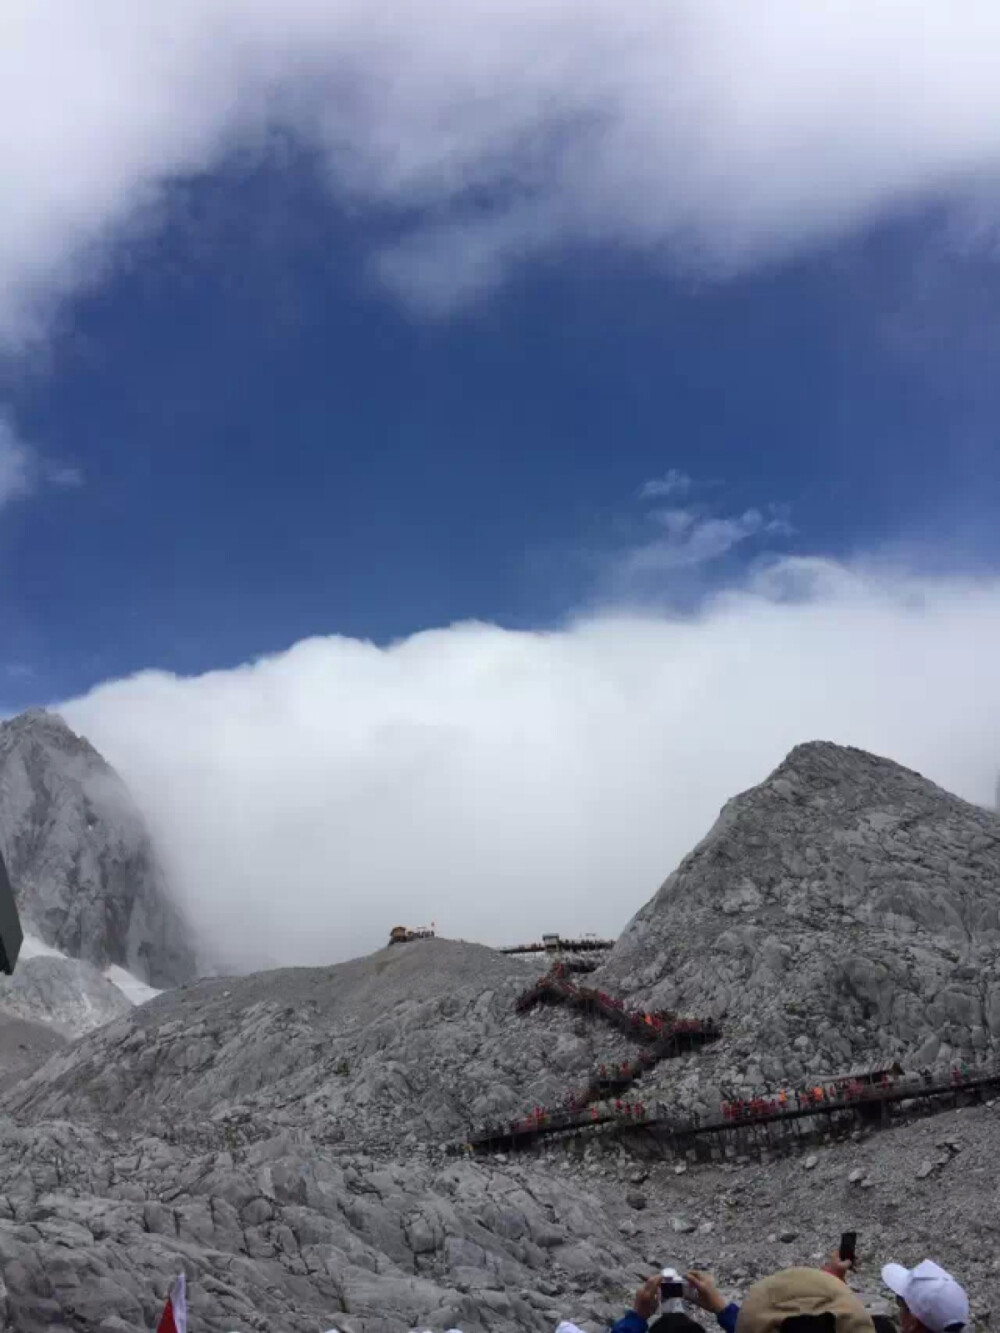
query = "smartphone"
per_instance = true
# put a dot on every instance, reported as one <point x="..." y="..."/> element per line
<point x="848" y="1246"/>
<point x="671" y="1285"/>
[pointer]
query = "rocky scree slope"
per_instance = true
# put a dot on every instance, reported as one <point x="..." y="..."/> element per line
<point x="288" y="1234"/>
<point x="412" y="1045"/>
<point x="926" y="1188"/>
<point x="278" y="1137"/>
<point x="80" y="858"/>
<point x="846" y="911"/>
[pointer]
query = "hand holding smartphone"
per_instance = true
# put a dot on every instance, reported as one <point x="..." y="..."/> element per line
<point x="848" y="1247"/>
<point x="672" y="1285"/>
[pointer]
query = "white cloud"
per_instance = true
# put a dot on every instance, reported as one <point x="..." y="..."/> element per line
<point x="673" y="482"/>
<point x="686" y="541"/>
<point x="695" y="541"/>
<point x="712" y="130"/>
<point x="64" y="477"/>
<point x="16" y="461"/>
<point x="508" y="783"/>
<point x="23" y="469"/>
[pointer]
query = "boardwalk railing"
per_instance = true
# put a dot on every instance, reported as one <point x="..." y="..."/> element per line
<point x="652" y="1027"/>
<point x="664" y="1035"/>
<point x="556" y="944"/>
<point x="860" y="1094"/>
<point x="678" y="1131"/>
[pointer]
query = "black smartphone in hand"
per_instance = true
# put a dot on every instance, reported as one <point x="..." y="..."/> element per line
<point x="848" y="1246"/>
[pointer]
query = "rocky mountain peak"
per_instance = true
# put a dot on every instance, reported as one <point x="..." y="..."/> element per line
<point x="846" y="909"/>
<point x="841" y="780"/>
<point x="80" y="857"/>
<point x="39" y="722"/>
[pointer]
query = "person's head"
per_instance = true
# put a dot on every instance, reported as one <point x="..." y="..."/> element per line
<point x="928" y="1298"/>
<point x="675" y="1321"/>
<point x="802" y="1300"/>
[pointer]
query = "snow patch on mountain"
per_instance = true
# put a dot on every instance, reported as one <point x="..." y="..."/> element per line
<point x="131" y="987"/>
<point x="66" y="993"/>
<point x="33" y="947"/>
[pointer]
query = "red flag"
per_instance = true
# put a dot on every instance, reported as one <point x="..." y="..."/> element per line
<point x="175" y="1316"/>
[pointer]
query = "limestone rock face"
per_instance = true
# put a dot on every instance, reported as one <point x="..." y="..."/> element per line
<point x="844" y="911"/>
<point x="79" y="856"/>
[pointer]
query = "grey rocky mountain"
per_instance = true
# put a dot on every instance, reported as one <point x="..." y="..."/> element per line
<point x="844" y="911"/>
<point x="80" y="858"/>
<point x="281" y="1136"/>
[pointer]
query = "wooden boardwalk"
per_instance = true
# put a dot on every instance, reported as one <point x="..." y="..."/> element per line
<point x="678" y="1133"/>
<point x="652" y="1028"/>
<point x="866" y="1097"/>
<point x="664" y="1035"/>
<point x="556" y="945"/>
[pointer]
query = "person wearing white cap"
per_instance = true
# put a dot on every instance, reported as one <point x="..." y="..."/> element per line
<point x="929" y="1298"/>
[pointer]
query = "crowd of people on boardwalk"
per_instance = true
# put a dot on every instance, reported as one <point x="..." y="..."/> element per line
<point x="654" y="1025"/>
<point x="804" y="1300"/>
<point x="666" y="1034"/>
<point x="848" y="1089"/>
<point x="580" y="1107"/>
<point x="834" y="1094"/>
<point x="578" y="1111"/>
<point x="600" y="1102"/>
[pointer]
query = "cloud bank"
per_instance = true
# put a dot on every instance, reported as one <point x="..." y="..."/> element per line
<point x="504" y="784"/>
<point x="710" y="130"/>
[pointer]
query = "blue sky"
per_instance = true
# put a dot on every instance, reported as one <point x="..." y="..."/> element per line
<point x="270" y="446"/>
<point x="662" y="346"/>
